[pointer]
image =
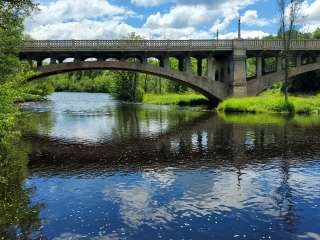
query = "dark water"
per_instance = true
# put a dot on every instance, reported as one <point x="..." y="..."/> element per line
<point x="101" y="169"/>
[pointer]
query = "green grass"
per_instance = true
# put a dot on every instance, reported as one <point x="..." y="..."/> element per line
<point x="271" y="102"/>
<point x="187" y="99"/>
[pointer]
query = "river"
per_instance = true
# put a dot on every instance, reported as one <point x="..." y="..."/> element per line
<point x="98" y="168"/>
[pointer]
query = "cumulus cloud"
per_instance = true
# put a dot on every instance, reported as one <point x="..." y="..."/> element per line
<point x="76" y="19"/>
<point x="148" y="3"/>
<point x="245" y="34"/>
<point x="101" y="19"/>
<point x="310" y="16"/>
<point x="251" y="18"/>
<point x="216" y="15"/>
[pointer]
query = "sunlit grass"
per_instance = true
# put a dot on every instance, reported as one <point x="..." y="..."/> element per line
<point x="188" y="99"/>
<point x="272" y="102"/>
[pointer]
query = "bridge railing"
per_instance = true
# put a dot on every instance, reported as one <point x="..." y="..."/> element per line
<point x="167" y="44"/>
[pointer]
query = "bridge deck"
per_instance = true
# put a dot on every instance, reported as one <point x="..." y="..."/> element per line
<point x="164" y="45"/>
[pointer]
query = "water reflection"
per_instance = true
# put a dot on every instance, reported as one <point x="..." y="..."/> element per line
<point x="19" y="218"/>
<point x="152" y="173"/>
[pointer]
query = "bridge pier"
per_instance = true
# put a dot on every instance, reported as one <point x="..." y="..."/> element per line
<point x="211" y="68"/>
<point x="180" y="64"/>
<point x="239" y="73"/>
<point x="187" y="65"/>
<point x="199" y="67"/>
<point x="259" y="66"/>
<point x="53" y="61"/>
<point x="164" y="62"/>
<point x="298" y="60"/>
<point x="279" y="63"/>
<point x="39" y="62"/>
<point x="318" y="58"/>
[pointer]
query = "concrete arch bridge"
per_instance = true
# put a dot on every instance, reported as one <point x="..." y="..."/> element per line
<point x="221" y="64"/>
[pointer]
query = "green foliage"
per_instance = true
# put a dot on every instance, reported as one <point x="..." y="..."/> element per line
<point x="16" y="211"/>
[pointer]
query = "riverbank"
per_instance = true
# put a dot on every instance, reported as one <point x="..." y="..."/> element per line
<point x="186" y="99"/>
<point x="272" y="102"/>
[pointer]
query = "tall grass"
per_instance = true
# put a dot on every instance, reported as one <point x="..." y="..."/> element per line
<point x="187" y="99"/>
<point x="272" y="101"/>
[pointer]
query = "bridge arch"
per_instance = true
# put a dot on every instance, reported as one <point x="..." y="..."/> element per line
<point x="261" y="84"/>
<point x="213" y="90"/>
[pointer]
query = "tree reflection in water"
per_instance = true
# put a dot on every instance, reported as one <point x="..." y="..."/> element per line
<point x="19" y="219"/>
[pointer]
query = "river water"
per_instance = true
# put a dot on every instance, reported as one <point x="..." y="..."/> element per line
<point x="101" y="169"/>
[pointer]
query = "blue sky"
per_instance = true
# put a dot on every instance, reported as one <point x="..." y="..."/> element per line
<point x="160" y="19"/>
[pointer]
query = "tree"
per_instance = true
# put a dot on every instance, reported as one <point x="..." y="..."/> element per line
<point x="289" y="12"/>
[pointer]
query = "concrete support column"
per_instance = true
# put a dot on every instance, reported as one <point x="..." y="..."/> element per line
<point x="318" y="58"/>
<point x="53" y="61"/>
<point x="299" y="60"/>
<point x="100" y="59"/>
<point x="76" y="59"/>
<point x="199" y="67"/>
<point x="239" y="74"/>
<point x="39" y="63"/>
<point x="180" y="67"/>
<point x="30" y="62"/>
<point x="279" y="63"/>
<point x="60" y="60"/>
<point x="144" y="60"/>
<point x="210" y="68"/>
<point x="187" y="65"/>
<point x="259" y="66"/>
<point x="164" y="62"/>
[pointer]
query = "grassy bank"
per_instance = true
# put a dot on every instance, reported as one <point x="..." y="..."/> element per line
<point x="187" y="99"/>
<point x="271" y="102"/>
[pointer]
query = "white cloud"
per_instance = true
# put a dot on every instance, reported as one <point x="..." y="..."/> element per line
<point x="311" y="16"/>
<point x="148" y="3"/>
<point x="187" y="19"/>
<point x="76" y="19"/>
<point x="84" y="29"/>
<point x="245" y="34"/>
<point x="251" y="18"/>
<point x="189" y="13"/>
